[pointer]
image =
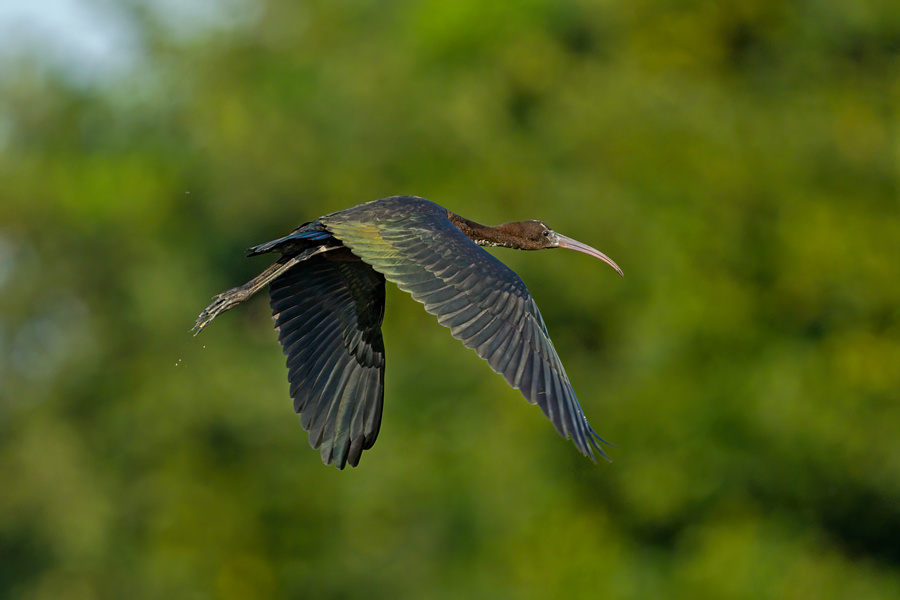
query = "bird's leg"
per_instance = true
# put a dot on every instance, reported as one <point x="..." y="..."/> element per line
<point x="231" y="298"/>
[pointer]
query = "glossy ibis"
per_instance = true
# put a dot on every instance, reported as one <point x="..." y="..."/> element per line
<point x="327" y="297"/>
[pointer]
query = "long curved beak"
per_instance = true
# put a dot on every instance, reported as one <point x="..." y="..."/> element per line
<point x="567" y="242"/>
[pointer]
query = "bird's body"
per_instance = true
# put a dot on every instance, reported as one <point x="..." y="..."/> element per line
<point x="327" y="297"/>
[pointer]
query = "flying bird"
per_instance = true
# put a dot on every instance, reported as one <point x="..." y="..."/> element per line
<point x="326" y="291"/>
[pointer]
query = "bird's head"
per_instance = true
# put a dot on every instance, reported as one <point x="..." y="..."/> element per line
<point x="537" y="235"/>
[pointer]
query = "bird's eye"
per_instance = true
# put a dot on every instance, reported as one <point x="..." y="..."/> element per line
<point x="546" y="233"/>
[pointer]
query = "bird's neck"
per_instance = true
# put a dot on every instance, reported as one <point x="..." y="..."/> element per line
<point x="483" y="235"/>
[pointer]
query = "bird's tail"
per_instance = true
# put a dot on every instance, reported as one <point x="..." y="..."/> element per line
<point x="293" y="242"/>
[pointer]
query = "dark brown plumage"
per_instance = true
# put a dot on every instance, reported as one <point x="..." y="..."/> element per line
<point x="327" y="297"/>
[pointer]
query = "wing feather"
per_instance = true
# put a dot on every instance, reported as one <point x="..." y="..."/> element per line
<point x="483" y="303"/>
<point x="328" y="312"/>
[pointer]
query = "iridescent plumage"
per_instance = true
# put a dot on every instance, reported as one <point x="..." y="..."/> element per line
<point x="327" y="297"/>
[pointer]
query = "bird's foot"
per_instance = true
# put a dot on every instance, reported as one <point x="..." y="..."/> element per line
<point x="222" y="302"/>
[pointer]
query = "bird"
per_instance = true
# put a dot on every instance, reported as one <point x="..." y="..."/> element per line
<point x="327" y="295"/>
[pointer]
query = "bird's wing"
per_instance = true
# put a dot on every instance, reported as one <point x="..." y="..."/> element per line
<point x="328" y="312"/>
<point x="482" y="301"/>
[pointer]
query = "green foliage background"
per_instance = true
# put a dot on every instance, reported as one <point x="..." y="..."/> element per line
<point x="739" y="160"/>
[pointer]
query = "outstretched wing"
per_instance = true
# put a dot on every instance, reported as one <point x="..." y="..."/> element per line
<point x="328" y="312"/>
<point x="483" y="303"/>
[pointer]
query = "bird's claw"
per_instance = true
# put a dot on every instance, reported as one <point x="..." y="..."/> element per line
<point x="221" y="303"/>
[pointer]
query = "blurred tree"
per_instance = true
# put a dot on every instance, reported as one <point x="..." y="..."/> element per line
<point x="740" y="161"/>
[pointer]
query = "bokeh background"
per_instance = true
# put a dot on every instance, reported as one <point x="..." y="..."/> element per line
<point x="739" y="160"/>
